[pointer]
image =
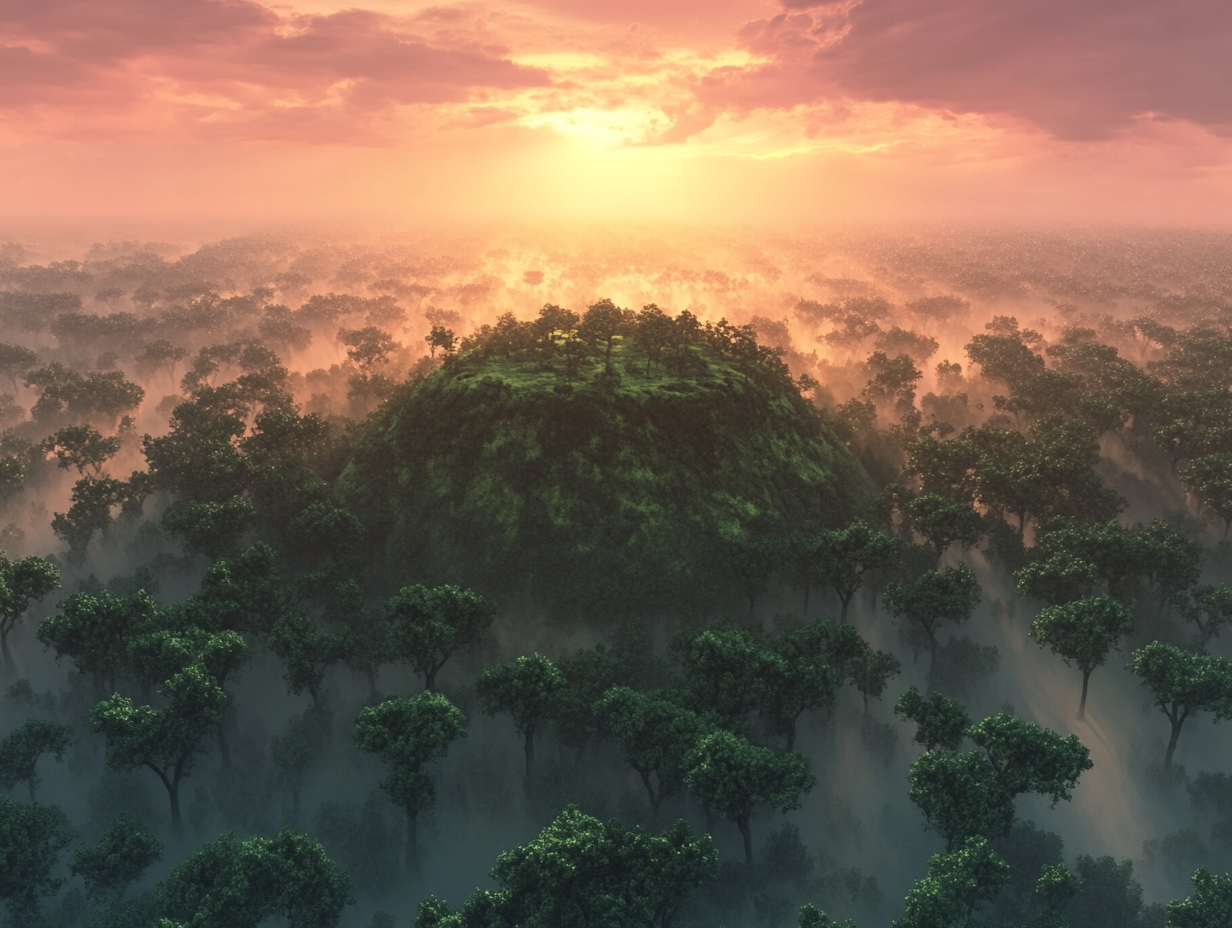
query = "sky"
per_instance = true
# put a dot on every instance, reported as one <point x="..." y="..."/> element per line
<point x="724" y="110"/>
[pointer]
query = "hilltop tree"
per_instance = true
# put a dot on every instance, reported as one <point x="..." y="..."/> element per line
<point x="407" y="734"/>
<point x="604" y="322"/>
<point x="21" y="583"/>
<point x="580" y="871"/>
<point x="240" y="884"/>
<point x="21" y="749"/>
<point x="1083" y="633"/>
<point x="94" y="630"/>
<point x="31" y="839"/>
<point x="1184" y="684"/>
<point x="731" y="777"/>
<point x="426" y="626"/>
<point x="935" y="597"/>
<point x="525" y="688"/>
<point x="655" y="735"/>
<point x="654" y="332"/>
<point x="842" y="557"/>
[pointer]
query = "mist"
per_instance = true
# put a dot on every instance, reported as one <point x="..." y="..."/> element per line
<point x="348" y="326"/>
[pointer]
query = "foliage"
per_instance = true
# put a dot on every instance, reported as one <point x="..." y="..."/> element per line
<point x="1183" y="684"/>
<point x="31" y="839"/>
<point x="21" y="749"/>
<point x="957" y="882"/>
<point x="238" y="884"/>
<point x="940" y="721"/>
<point x="1082" y="633"/>
<point x="1209" y="906"/>
<point x="580" y="871"/>
<point x="95" y="630"/>
<point x="127" y="850"/>
<point x="425" y="626"/>
<point x="21" y="583"/>
<point x="950" y="595"/>
<point x="526" y="689"/>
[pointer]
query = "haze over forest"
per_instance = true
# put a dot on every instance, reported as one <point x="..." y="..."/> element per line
<point x="275" y="487"/>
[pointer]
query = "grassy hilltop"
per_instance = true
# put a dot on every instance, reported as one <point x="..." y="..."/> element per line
<point x="594" y="478"/>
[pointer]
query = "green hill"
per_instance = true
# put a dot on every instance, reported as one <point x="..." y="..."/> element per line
<point x="525" y="473"/>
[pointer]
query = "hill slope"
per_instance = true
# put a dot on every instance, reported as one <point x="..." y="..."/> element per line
<point x="614" y="491"/>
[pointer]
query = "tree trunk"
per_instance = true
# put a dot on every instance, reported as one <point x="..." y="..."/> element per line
<point x="1176" y="734"/>
<point x="743" y="824"/>
<point x="173" y="794"/>
<point x="842" y="612"/>
<point x="224" y="749"/>
<point x="530" y="751"/>
<point x="791" y="735"/>
<point x="30" y="785"/>
<point x="5" y="653"/>
<point x="650" y="792"/>
<point x="412" y="840"/>
<point x="1082" y="706"/>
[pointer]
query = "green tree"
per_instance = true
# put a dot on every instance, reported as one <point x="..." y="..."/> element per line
<point x="972" y="794"/>
<point x="407" y="734"/>
<point x="31" y="839"/>
<point x="166" y="740"/>
<point x="21" y="583"/>
<point x="1208" y="906"/>
<point x="935" y="597"/>
<point x="442" y="338"/>
<point x="1082" y="633"/>
<point x="426" y="626"/>
<point x="1209" y="478"/>
<point x="368" y="346"/>
<point x="731" y="777"/>
<point x="23" y="746"/>
<point x="1184" y="684"/>
<point x="727" y="670"/>
<point x="580" y="871"/>
<point x="842" y="558"/>
<point x="944" y="522"/>
<point x="526" y="688"/>
<point x="127" y="850"/>
<point x="956" y="884"/>
<point x="940" y="721"/>
<point x="239" y="884"/>
<point x="82" y="447"/>
<point x="1209" y="608"/>
<point x="94" y="630"/>
<point x="210" y="528"/>
<point x="605" y="322"/>
<point x="814" y="661"/>
<point x="588" y="673"/>
<point x="654" y="332"/>
<point x="813" y="917"/>
<point x="306" y="653"/>
<point x="90" y="513"/>
<point x="655" y="735"/>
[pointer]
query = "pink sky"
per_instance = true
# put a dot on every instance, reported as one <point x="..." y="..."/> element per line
<point x="1100" y="110"/>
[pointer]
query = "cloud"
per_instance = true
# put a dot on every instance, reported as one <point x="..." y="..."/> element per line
<point x="1080" y="71"/>
<point x="236" y="62"/>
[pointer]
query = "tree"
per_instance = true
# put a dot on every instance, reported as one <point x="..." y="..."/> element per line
<point x="82" y="447"/>
<point x="306" y="653"/>
<point x="1083" y="633"/>
<point x="727" y="670"/>
<point x="871" y="672"/>
<point x="656" y="737"/>
<point x="526" y="688"/>
<point x="731" y="777"/>
<point x="31" y="839"/>
<point x="1184" y="684"/>
<point x="935" y="597"/>
<point x="654" y="332"/>
<point x="21" y="583"/>
<point x="972" y="794"/>
<point x="1209" y="608"/>
<point x="15" y="360"/>
<point x="813" y="917"/>
<point x="605" y="322"/>
<point x="21" y="749"/>
<point x="165" y="740"/>
<point x="92" y="502"/>
<point x="580" y="871"/>
<point x="368" y="346"/>
<point x="127" y="850"/>
<point x="94" y="630"/>
<point x="160" y="354"/>
<point x="427" y="625"/>
<point x="1209" y="478"/>
<point x="239" y="884"/>
<point x="842" y="558"/>
<point x="944" y="522"/>
<point x="210" y="528"/>
<point x="407" y="734"/>
<point x="940" y="721"/>
<point x="1209" y="906"/>
<point x="814" y="661"/>
<point x="956" y="884"/>
<point x="589" y="673"/>
<point x="442" y="338"/>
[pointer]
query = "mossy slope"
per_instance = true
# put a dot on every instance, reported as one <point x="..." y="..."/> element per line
<point x="614" y="492"/>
